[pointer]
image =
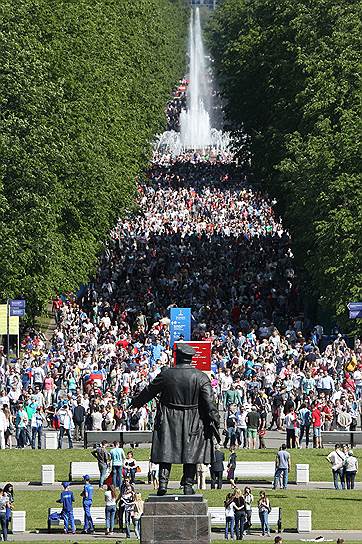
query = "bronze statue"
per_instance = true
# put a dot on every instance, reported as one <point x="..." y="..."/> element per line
<point x="187" y="419"/>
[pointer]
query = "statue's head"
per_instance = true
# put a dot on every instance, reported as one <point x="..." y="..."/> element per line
<point x="184" y="353"/>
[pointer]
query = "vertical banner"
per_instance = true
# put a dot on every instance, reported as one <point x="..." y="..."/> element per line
<point x="180" y="325"/>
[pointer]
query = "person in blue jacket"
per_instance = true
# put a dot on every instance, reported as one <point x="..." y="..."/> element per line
<point x="87" y="495"/>
<point x="67" y="499"/>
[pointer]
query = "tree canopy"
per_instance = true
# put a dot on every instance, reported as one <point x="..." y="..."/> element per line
<point x="290" y="75"/>
<point x="83" y="88"/>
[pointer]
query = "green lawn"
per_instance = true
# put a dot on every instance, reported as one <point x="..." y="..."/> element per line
<point x="25" y="465"/>
<point x="339" y="510"/>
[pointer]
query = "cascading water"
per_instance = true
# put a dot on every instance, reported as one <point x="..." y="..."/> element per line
<point x="195" y="121"/>
<point x="195" y="127"/>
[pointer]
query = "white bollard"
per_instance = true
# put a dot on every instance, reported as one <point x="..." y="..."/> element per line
<point x="304" y="521"/>
<point x="302" y="474"/>
<point x="51" y="440"/>
<point x="19" y="521"/>
<point x="47" y="474"/>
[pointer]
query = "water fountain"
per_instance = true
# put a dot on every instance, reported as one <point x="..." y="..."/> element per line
<point x="195" y="120"/>
<point x="196" y="132"/>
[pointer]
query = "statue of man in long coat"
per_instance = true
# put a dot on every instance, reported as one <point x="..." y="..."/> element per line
<point x="186" y="421"/>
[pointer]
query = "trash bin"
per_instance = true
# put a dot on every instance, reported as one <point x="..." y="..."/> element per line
<point x="302" y="474"/>
<point x="51" y="440"/>
<point x="304" y="521"/>
<point x="47" y="474"/>
<point x="19" y="521"/>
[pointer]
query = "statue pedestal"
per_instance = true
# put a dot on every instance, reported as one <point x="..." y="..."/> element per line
<point x="175" y="519"/>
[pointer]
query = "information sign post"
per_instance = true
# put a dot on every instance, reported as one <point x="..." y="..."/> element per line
<point x="180" y="325"/>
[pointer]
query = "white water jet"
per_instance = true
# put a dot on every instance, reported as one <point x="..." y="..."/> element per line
<point x="195" y="128"/>
<point x="195" y="121"/>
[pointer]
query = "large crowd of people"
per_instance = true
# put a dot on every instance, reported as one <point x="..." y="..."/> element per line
<point x="203" y="238"/>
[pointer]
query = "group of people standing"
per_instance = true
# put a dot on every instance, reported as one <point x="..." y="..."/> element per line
<point x="344" y="466"/>
<point x="126" y="502"/>
<point x="238" y="513"/>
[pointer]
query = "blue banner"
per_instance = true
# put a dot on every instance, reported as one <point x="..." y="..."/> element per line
<point x="17" y="304"/>
<point x="180" y="325"/>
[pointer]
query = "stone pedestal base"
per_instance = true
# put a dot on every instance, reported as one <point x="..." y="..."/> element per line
<point x="175" y="519"/>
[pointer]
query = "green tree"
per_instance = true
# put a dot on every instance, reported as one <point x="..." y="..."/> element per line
<point x="289" y="72"/>
<point x="83" y="89"/>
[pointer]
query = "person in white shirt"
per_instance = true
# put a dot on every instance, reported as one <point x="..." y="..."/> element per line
<point x="3" y="427"/>
<point x="230" y="507"/>
<point x="66" y="426"/>
<point x="357" y="376"/>
<point x="110" y="498"/>
<point x="351" y="469"/>
<point x="337" y="459"/>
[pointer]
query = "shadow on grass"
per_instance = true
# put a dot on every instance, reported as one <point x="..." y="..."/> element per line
<point x="342" y="499"/>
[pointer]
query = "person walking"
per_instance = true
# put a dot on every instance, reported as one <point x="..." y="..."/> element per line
<point x="249" y="499"/>
<point x="305" y="420"/>
<point x="21" y="422"/>
<point x="217" y="468"/>
<point x="127" y="502"/>
<point x="4" y="506"/>
<point x="117" y="459"/>
<point x="65" y="425"/>
<point x="229" y="506"/>
<point x="239" y="514"/>
<point x="79" y="414"/>
<point x="231" y="466"/>
<point x="317" y="421"/>
<point x="3" y="428"/>
<point x="282" y="467"/>
<point x="130" y="466"/>
<point x="264" y="510"/>
<point x="138" y="511"/>
<point x="290" y="424"/>
<point x="153" y="474"/>
<point x="351" y="469"/>
<point x="252" y="422"/>
<point x="201" y="470"/>
<point x="110" y="498"/>
<point x="103" y="459"/>
<point x="337" y="459"/>
<point x="67" y="500"/>
<point x="37" y="422"/>
<point x="9" y="491"/>
<point x="87" y="495"/>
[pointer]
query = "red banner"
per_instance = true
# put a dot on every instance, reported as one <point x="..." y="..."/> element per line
<point x="202" y="359"/>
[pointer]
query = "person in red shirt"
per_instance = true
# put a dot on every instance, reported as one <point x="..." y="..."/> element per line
<point x="317" y="424"/>
<point x="327" y="412"/>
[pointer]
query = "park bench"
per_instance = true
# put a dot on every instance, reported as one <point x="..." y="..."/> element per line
<point x="260" y="469"/>
<point x="91" y="438"/>
<point x="354" y="438"/>
<point x="217" y="515"/>
<point x="78" y="469"/>
<point x="98" y="516"/>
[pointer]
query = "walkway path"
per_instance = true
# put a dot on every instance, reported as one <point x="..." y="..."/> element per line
<point x="28" y="486"/>
<point x="287" y="536"/>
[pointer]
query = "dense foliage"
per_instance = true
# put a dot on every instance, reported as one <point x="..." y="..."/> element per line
<point x="83" y="87"/>
<point x="289" y="71"/>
